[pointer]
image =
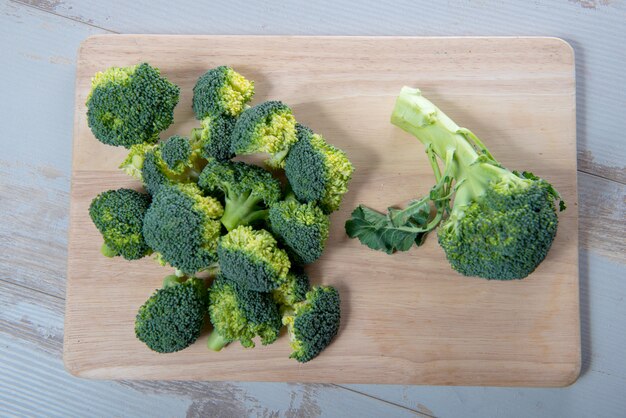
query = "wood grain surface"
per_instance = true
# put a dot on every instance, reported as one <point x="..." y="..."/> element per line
<point x="406" y="318"/>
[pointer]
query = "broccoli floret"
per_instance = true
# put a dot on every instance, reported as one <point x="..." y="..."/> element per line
<point x="292" y="290"/>
<point x="221" y="91"/>
<point x="301" y="227"/>
<point x="173" y="317"/>
<point x="241" y="314"/>
<point x="248" y="190"/>
<point x="130" y="105"/>
<point x="501" y="224"/>
<point x="269" y="128"/>
<point x="118" y="215"/>
<point x="253" y="259"/>
<point x="313" y="323"/>
<point x="317" y="171"/>
<point x="183" y="226"/>
<point x="175" y="160"/>
<point x="213" y="138"/>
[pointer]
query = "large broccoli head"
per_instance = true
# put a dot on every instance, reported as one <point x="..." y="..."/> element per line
<point x="248" y="190"/>
<point x="130" y="105"/>
<point x="317" y="171"/>
<point x="313" y="323"/>
<point x="221" y="91"/>
<point x="214" y="137"/>
<point x="118" y="215"/>
<point x="301" y="227"/>
<point x="173" y="317"/>
<point x="269" y="128"/>
<point x="238" y="313"/>
<point x="183" y="226"/>
<point x="253" y="259"/>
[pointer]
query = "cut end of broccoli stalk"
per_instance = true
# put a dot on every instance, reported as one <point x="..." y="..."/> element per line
<point x="107" y="251"/>
<point x="216" y="342"/>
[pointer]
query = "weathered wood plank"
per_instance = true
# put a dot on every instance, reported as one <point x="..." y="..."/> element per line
<point x="596" y="33"/>
<point x="33" y="380"/>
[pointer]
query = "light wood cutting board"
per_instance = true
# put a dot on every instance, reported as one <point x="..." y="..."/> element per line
<point x="406" y="318"/>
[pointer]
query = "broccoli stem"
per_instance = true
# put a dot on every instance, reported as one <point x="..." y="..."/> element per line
<point x="242" y="210"/>
<point x="107" y="251"/>
<point x="216" y="342"/>
<point x="172" y="280"/>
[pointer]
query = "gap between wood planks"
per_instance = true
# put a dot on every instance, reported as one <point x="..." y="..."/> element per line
<point x="39" y="5"/>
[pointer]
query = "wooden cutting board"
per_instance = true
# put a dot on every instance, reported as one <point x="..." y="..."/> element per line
<point x="406" y="318"/>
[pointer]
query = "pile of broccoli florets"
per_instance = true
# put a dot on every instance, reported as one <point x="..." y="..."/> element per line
<point x="249" y="232"/>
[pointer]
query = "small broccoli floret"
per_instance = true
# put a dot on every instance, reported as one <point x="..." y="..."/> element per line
<point x="183" y="226"/>
<point x="292" y="290"/>
<point x="301" y="227"/>
<point x="173" y="317"/>
<point x="214" y="137"/>
<point x="317" y="171"/>
<point x="221" y="91"/>
<point x="118" y="215"/>
<point x="130" y="105"/>
<point x="313" y="323"/>
<point x="241" y="314"/>
<point x="175" y="160"/>
<point x="248" y="190"/>
<point x="269" y="128"/>
<point x="253" y="259"/>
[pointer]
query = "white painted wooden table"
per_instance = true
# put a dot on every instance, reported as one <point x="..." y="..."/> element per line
<point x="39" y="40"/>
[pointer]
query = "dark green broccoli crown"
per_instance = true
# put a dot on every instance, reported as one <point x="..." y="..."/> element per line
<point x="153" y="172"/>
<point x="173" y="317"/>
<point x="268" y="127"/>
<point x="130" y="105"/>
<point x="241" y="314"/>
<point x="317" y="171"/>
<point x="253" y="259"/>
<point x="182" y="226"/>
<point x="314" y="323"/>
<point x="293" y="290"/>
<point x="118" y="215"/>
<point x="221" y="91"/>
<point x="176" y="151"/>
<point x="301" y="227"/>
<point x="503" y="235"/>
<point x="214" y="137"/>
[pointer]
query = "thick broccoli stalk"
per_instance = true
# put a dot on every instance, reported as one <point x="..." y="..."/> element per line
<point x="253" y="259"/>
<point x="130" y="105"/>
<point x="221" y="91"/>
<point x="248" y="191"/>
<point x="301" y="227"/>
<point x="183" y="226"/>
<point x="317" y="172"/>
<point x="214" y="137"/>
<point x="313" y="323"/>
<point x="175" y="160"/>
<point x="501" y="224"/>
<point x="118" y="215"/>
<point x="173" y="317"/>
<point x="268" y="128"/>
<point x="239" y="314"/>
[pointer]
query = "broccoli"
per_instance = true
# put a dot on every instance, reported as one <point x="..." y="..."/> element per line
<point x="501" y="224"/>
<point x="301" y="227"/>
<point x="269" y="128"/>
<point x="118" y="215"/>
<point x="248" y="190"/>
<point x="175" y="160"/>
<point x="313" y="323"/>
<point x="183" y="226"/>
<point x="213" y="138"/>
<point x="253" y="259"/>
<point x="292" y="290"/>
<point x="173" y="317"/>
<point x="130" y="105"/>
<point x="317" y="171"/>
<point x="241" y="314"/>
<point x="221" y="91"/>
